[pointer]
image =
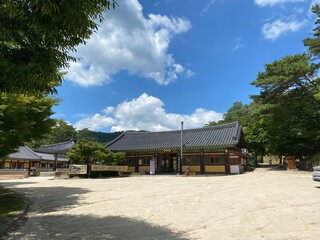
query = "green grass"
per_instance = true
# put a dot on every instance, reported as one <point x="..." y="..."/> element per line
<point x="11" y="203"/>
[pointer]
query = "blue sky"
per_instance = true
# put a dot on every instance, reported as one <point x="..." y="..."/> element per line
<point x="152" y="64"/>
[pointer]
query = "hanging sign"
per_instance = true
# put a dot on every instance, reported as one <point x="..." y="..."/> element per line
<point x="77" y="169"/>
<point x="114" y="168"/>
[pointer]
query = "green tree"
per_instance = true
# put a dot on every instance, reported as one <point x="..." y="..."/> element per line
<point x="237" y="112"/>
<point x="23" y="118"/>
<point x="313" y="44"/>
<point x="37" y="37"/>
<point x="94" y="153"/>
<point x="287" y="105"/>
<point x="249" y="118"/>
<point x="84" y="135"/>
<point x="115" y="158"/>
<point x="87" y="153"/>
<point x="61" y="132"/>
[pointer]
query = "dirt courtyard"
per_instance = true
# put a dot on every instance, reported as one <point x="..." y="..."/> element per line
<point x="264" y="204"/>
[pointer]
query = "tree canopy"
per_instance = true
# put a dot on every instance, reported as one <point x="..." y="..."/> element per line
<point x="288" y="107"/>
<point x="248" y="117"/>
<point x="62" y="131"/>
<point x="23" y="118"/>
<point x="94" y="153"/>
<point x="284" y="118"/>
<point x="37" y="37"/>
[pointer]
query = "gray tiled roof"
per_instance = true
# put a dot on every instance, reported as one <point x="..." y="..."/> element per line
<point x="50" y="157"/>
<point x="222" y="136"/>
<point x="56" y="148"/>
<point x="24" y="153"/>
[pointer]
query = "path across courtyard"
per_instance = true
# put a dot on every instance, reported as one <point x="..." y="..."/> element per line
<point x="264" y="204"/>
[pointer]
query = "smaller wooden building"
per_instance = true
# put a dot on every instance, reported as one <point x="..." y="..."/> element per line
<point x="46" y="158"/>
<point x="57" y="151"/>
<point x="218" y="149"/>
<point x="291" y="162"/>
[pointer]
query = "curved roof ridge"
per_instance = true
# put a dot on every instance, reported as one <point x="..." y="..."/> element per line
<point x="116" y="139"/>
<point x="31" y="151"/>
<point x="24" y="152"/>
<point x="226" y="135"/>
<point x="56" y="148"/>
<point x="57" y="144"/>
<point x="187" y="129"/>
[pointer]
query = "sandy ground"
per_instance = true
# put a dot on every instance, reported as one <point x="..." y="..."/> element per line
<point x="264" y="204"/>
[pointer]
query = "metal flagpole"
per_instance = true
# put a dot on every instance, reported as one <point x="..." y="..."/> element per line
<point x="181" y="149"/>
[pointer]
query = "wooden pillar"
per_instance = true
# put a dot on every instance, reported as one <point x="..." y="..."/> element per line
<point x="156" y="163"/>
<point x="136" y="165"/>
<point x="227" y="161"/>
<point x="29" y="168"/>
<point x="55" y="161"/>
<point x="202" y="164"/>
<point x="159" y="160"/>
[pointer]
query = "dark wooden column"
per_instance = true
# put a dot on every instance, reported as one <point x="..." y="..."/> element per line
<point x="136" y="163"/>
<point x="55" y="161"/>
<point x="29" y="167"/>
<point x="227" y="161"/>
<point x="202" y="164"/>
<point x="159" y="161"/>
<point x="155" y="162"/>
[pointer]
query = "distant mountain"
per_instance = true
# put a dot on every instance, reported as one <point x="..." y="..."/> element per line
<point x="103" y="137"/>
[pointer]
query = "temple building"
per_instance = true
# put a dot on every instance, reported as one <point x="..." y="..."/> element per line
<point x="46" y="158"/>
<point x="218" y="149"/>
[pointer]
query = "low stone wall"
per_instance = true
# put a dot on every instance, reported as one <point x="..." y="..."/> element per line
<point x="61" y="175"/>
<point x="13" y="173"/>
<point x="46" y="174"/>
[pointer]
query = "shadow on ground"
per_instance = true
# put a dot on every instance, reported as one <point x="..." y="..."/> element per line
<point x="48" y="199"/>
<point x="277" y="168"/>
<point x="9" y="184"/>
<point x="51" y="199"/>
<point x="90" y="227"/>
<point x="45" y="220"/>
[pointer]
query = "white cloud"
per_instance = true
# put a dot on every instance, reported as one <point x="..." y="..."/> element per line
<point x="313" y="2"/>
<point x="273" y="30"/>
<point x="127" y="40"/>
<point x="310" y="13"/>
<point x="237" y="47"/>
<point x="146" y="113"/>
<point x="263" y="3"/>
<point x="209" y="5"/>
<point x="58" y="115"/>
<point x="108" y="110"/>
<point x="237" y="44"/>
<point x="95" y="122"/>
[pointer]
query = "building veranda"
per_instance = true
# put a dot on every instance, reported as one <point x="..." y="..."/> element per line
<point x="218" y="149"/>
<point x="47" y="158"/>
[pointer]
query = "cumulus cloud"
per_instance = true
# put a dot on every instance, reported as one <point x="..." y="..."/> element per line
<point x="209" y="5"/>
<point x="145" y="113"/>
<point x="95" y="122"/>
<point x="127" y="40"/>
<point x="277" y="28"/>
<point x="237" y="44"/>
<point x="263" y="3"/>
<point x="310" y="13"/>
